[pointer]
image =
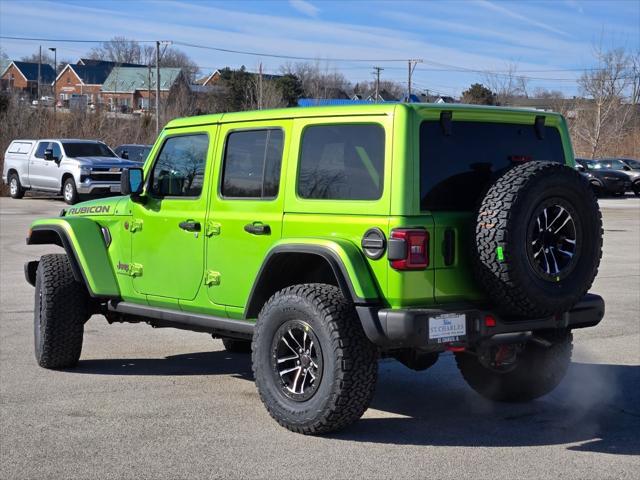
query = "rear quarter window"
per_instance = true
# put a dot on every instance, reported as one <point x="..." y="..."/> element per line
<point x="455" y="169"/>
<point x="342" y="162"/>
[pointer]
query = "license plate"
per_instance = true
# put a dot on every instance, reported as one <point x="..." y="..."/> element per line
<point x="115" y="188"/>
<point x="450" y="327"/>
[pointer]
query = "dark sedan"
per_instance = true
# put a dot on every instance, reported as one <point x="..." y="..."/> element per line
<point x="604" y="181"/>
<point x="621" y="165"/>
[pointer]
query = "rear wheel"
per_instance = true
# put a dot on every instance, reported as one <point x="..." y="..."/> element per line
<point x="314" y="367"/>
<point x="61" y="310"/>
<point x="537" y="370"/>
<point x="69" y="191"/>
<point x="15" y="187"/>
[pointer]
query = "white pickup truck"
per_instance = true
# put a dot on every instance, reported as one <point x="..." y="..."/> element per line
<point x="70" y="167"/>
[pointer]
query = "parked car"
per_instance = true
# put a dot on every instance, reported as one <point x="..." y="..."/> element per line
<point x="632" y="163"/>
<point x="133" y="152"/>
<point x="621" y="166"/>
<point x="604" y="181"/>
<point x="321" y="238"/>
<point x="70" y="167"/>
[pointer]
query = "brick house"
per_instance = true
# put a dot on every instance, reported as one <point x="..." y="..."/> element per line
<point x="133" y="88"/>
<point x="85" y="79"/>
<point x="22" y="77"/>
<point x="208" y="80"/>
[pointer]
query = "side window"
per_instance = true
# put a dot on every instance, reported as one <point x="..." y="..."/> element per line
<point x="342" y="162"/>
<point x="252" y="161"/>
<point x="57" y="151"/>
<point x="179" y="168"/>
<point x="42" y="146"/>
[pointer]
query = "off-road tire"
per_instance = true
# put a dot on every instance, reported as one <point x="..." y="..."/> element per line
<point x="15" y="189"/>
<point x="350" y="360"/>
<point x="502" y="262"/>
<point x="538" y="371"/>
<point x="70" y="192"/>
<point x="60" y="312"/>
<point x="235" y="345"/>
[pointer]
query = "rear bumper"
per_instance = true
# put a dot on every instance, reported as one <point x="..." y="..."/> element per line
<point x="408" y="328"/>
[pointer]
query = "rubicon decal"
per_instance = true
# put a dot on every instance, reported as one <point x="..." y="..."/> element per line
<point x="92" y="209"/>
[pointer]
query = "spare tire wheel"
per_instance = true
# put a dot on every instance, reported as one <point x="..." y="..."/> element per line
<point x="538" y="239"/>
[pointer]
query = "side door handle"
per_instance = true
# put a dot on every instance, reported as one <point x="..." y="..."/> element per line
<point x="190" y="226"/>
<point x="257" y="228"/>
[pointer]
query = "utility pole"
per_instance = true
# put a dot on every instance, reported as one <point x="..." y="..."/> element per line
<point x="55" y="78"/>
<point x="260" y="86"/>
<point x="39" y="77"/>
<point x="149" y="90"/>
<point x="412" y="67"/>
<point x="377" y="73"/>
<point x="157" y="87"/>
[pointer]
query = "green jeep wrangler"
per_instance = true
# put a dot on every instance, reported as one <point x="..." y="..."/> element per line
<point x="320" y="239"/>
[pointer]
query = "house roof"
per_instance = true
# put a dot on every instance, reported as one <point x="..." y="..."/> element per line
<point x="93" y="61"/>
<point x="90" y="74"/>
<point x="204" y="80"/>
<point x="4" y="64"/>
<point x="30" y="71"/>
<point x="130" y="79"/>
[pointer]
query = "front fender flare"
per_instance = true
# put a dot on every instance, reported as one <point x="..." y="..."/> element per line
<point x="84" y="244"/>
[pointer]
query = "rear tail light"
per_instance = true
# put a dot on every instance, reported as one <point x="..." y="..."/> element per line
<point x="409" y="249"/>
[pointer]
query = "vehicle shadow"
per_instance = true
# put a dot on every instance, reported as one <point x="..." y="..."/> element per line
<point x="199" y="363"/>
<point x="595" y="409"/>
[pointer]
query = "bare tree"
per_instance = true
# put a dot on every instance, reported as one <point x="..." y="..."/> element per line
<point x="318" y="82"/>
<point x="604" y="116"/>
<point x="507" y="86"/>
<point x="119" y="50"/>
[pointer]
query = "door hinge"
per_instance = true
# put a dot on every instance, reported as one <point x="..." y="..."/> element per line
<point x="212" y="228"/>
<point x="212" y="278"/>
<point x="135" y="270"/>
<point x="136" y="225"/>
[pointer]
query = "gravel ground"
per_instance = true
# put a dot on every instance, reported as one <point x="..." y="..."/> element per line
<point x="147" y="403"/>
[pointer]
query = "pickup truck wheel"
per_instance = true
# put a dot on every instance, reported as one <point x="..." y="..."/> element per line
<point x="537" y="371"/>
<point x="69" y="191"/>
<point x="234" y="345"/>
<point x="61" y="309"/>
<point x="315" y="369"/>
<point x="538" y="240"/>
<point x="15" y="187"/>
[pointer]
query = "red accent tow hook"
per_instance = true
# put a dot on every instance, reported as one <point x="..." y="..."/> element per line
<point x="451" y="348"/>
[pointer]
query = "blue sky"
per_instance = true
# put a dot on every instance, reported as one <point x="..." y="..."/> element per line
<point x="546" y="39"/>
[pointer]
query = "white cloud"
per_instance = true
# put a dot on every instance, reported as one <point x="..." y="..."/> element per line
<point x="305" y="7"/>
<point x="510" y="13"/>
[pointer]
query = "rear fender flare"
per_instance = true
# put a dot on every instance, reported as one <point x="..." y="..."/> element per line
<point x="346" y="261"/>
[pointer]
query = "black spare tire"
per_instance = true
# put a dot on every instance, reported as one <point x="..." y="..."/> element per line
<point x="538" y="239"/>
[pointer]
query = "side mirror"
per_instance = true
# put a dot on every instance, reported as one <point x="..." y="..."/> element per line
<point x="48" y="154"/>
<point x="626" y="168"/>
<point x="131" y="182"/>
<point x="124" y="154"/>
<point x="580" y="168"/>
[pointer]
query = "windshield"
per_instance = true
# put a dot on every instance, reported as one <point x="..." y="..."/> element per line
<point x="635" y="164"/>
<point x="87" y="149"/>
<point x="137" y="153"/>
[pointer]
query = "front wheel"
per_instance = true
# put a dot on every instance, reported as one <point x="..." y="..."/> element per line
<point x="69" y="191"/>
<point x="61" y="309"/>
<point x="537" y="370"/>
<point x="636" y="188"/>
<point x="15" y="187"/>
<point x="314" y="367"/>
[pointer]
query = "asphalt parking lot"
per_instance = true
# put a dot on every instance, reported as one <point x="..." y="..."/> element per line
<point x="163" y="403"/>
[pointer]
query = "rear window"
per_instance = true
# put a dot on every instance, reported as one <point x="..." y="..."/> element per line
<point x="75" y="150"/>
<point x="455" y="169"/>
<point x="20" y="147"/>
<point x="342" y="162"/>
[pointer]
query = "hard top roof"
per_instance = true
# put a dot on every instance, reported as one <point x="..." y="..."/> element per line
<point x="341" y="110"/>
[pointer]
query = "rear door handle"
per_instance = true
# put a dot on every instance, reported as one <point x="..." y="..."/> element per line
<point x="257" y="228"/>
<point x="190" y="226"/>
